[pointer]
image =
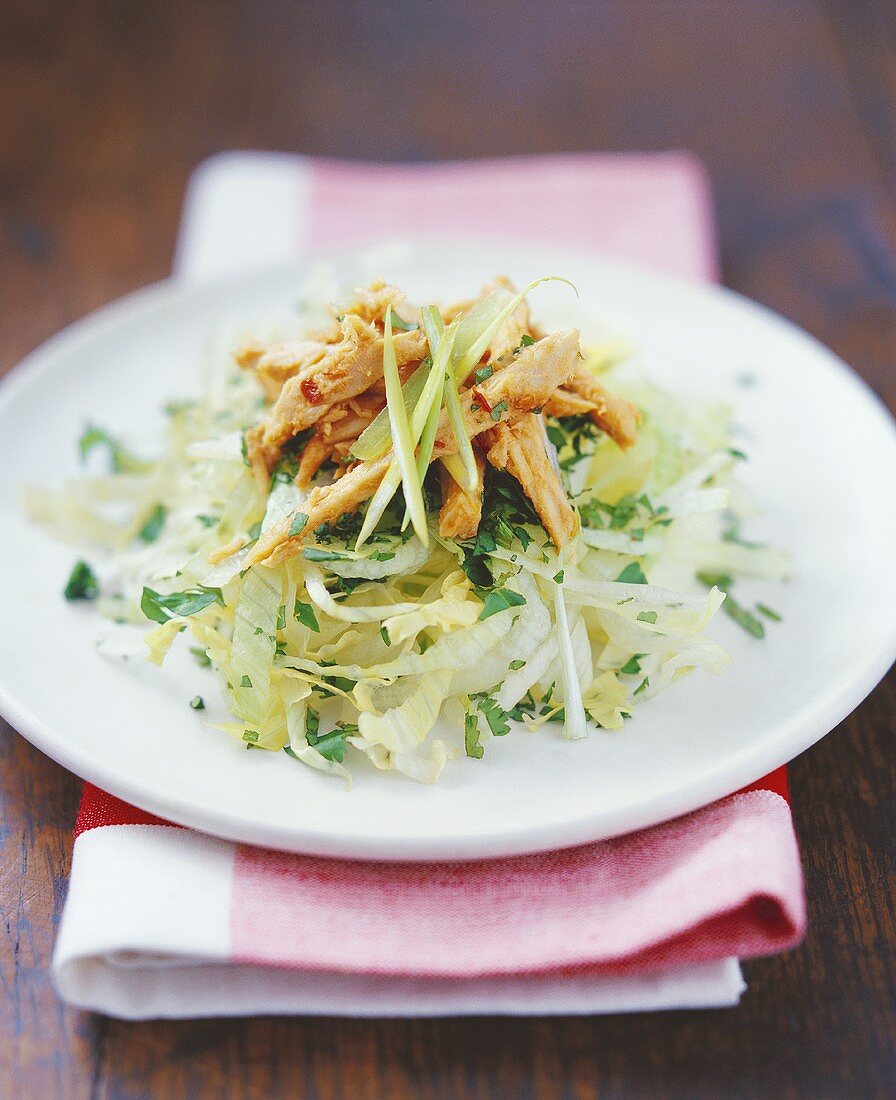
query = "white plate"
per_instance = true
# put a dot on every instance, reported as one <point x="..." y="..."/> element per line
<point x="822" y="462"/>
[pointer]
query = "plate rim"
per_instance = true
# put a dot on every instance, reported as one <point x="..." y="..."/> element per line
<point x="736" y="770"/>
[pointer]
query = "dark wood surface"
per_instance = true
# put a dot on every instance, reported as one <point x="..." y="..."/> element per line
<point x="104" y="110"/>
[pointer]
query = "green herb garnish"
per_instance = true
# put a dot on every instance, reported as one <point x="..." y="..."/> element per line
<point x="151" y="530"/>
<point x="298" y="524"/>
<point x="632" y="574"/>
<point x="202" y="657"/>
<point x="161" y="607"/>
<point x="304" y="612"/>
<point x="633" y="665"/>
<point x="472" y="747"/>
<point x="499" y="599"/>
<point x="123" y="462"/>
<point x="744" y="618"/>
<point x="82" y="583"/>
<point x="313" y="553"/>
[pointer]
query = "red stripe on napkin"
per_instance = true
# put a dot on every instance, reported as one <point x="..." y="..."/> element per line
<point x="605" y="203"/>
<point x="723" y="881"/>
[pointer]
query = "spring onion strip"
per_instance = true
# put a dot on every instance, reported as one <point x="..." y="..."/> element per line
<point x="478" y="318"/>
<point x="575" y="726"/>
<point x="375" y="440"/>
<point x="398" y="472"/>
<point x="439" y="375"/>
<point x="466" y="362"/>
<point x="454" y="465"/>
<point x="432" y="323"/>
<point x="402" y="442"/>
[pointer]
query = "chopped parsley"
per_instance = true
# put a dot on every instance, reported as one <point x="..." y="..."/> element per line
<point x="632" y="574"/>
<point x="314" y="553"/>
<point x="732" y="534"/>
<point x="633" y="513"/>
<point x="643" y="686"/>
<point x="495" y="717"/>
<point x="505" y="511"/>
<point x="633" y="665"/>
<point x="558" y="577"/>
<point x="499" y="599"/>
<point x="574" y="437"/>
<point x="483" y="374"/>
<point x="499" y="410"/>
<point x="515" y="666"/>
<point x="197" y="703"/>
<point x="245" y="682"/>
<point x="151" y="530"/>
<point x="384" y="634"/>
<point x="646" y="617"/>
<point x="298" y="524"/>
<point x="123" y="462"/>
<point x="304" y="612"/>
<point x="330" y="745"/>
<point x="347" y="585"/>
<point x="472" y="747"/>
<point x="341" y="683"/>
<point x="744" y="618"/>
<point x="202" y="657"/>
<point x="82" y="583"/>
<point x="161" y="607"/>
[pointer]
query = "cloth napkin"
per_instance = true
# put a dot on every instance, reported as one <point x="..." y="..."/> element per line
<point x="165" y="921"/>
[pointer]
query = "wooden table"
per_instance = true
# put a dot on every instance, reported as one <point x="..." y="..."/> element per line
<point x="106" y="107"/>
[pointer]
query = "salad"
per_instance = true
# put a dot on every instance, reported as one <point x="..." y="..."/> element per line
<point x="414" y="527"/>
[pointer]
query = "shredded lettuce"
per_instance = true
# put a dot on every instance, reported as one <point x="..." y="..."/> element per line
<point x="398" y="644"/>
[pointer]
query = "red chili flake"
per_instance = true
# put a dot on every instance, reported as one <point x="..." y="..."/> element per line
<point x="310" y="391"/>
<point x="477" y="396"/>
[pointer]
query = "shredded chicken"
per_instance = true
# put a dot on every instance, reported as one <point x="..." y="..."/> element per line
<point x="370" y="303"/>
<point x="273" y="366"/>
<point x="461" y="510"/>
<point x="525" y="384"/>
<point x="521" y="450"/>
<point x="582" y="394"/>
<point x="331" y="440"/>
<point x="347" y="370"/>
<point x="332" y="382"/>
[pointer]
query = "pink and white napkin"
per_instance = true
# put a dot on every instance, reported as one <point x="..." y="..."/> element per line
<point x="164" y="921"/>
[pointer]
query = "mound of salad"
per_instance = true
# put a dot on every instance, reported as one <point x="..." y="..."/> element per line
<point x="407" y="530"/>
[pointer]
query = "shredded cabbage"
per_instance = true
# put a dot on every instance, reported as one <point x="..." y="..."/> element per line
<point x="402" y="646"/>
